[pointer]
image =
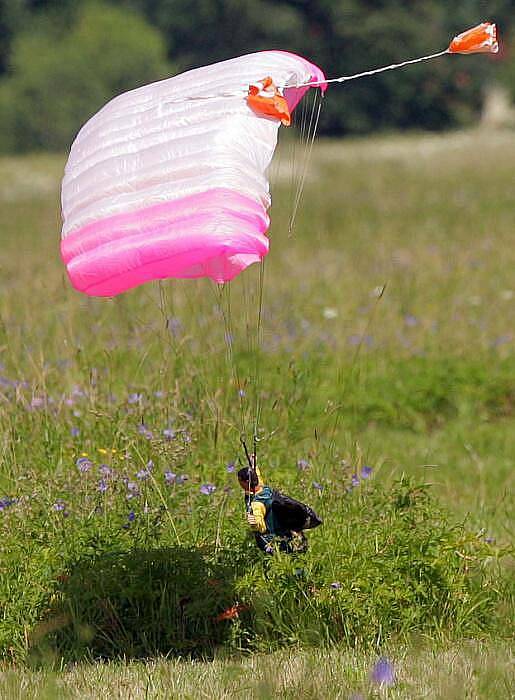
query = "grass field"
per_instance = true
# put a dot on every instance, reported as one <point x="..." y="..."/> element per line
<point x="386" y="340"/>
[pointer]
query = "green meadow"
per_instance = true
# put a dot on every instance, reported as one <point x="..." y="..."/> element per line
<point x="372" y="356"/>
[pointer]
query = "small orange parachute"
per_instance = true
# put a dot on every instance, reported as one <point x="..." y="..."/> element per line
<point x="480" y="39"/>
<point x="264" y="98"/>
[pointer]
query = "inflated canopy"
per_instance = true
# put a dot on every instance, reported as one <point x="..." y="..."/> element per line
<point x="169" y="180"/>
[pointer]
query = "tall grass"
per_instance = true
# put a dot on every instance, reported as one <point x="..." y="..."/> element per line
<point x="470" y="669"/>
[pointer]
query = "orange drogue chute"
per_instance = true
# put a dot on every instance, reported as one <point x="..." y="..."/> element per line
<point x="480" y="39"/>
<point x="264" y="98"/>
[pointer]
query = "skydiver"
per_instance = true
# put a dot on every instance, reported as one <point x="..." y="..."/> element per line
<point x="277" y="521"/>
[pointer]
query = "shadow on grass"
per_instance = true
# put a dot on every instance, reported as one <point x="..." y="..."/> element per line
<point x="137" y="605"/>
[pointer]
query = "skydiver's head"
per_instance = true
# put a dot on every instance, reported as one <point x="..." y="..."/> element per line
<point x="248" y="479"/>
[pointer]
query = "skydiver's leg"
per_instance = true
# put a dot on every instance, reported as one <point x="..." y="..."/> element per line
<point x="297" y="543"/>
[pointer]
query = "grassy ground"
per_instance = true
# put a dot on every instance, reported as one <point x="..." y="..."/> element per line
<point x="468" y="670"/>
<point x="386" y="340"/>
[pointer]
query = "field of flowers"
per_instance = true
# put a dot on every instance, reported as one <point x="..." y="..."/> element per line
<point x="372" y="353"/>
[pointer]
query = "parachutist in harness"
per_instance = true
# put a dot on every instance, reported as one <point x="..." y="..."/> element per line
<point x="277" y="520"/>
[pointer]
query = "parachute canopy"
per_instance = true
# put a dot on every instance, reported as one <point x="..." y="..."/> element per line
<point x="169" y="180"/>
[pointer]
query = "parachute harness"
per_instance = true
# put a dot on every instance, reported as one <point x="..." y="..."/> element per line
<point x="252" y="462"/>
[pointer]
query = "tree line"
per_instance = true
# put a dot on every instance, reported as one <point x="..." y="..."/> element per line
<point x="60" y="60"/>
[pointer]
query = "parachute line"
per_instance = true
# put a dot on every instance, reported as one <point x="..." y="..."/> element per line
<point x="310" y="139"/>
<point x="312" y="83"/>
<point x="257" y="353"/>
<point x="225" y="290"/>
<point x="373" y="71"/>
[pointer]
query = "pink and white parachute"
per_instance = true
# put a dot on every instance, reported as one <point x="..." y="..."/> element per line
<point x="169" y="180"/>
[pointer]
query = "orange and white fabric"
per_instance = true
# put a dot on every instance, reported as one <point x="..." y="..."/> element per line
<point x="265" y="98"/>
<point x="479" y="39"/>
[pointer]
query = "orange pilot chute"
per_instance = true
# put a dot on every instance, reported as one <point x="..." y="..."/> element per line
<point x="479" y="39"/>
<point x="264" y="97"/>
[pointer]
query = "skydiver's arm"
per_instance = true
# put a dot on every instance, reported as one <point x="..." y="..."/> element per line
<point x="256" y="517"/>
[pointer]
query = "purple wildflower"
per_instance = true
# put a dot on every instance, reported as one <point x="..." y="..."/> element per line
<point x="170" y="477"/>
<point x="366" y="471"/>
<point x="131" y="516"/>
<point x="207" y="489"/>
<point x="143" y="430"/>
<point x="84" y="464"/>
<point x="143" y="474"/>
<point x="302" y="464"/>
<point x="5" y="503"/>
<point x="383" y="672"/>
<point x="105" y="470"/>
<point x="132" y="489"/>
<point x="37" y="402"/>
<point x="134" y="398"/>
<point x="317" y="486"/>
<point x="241" y="393"/>
<point x="59" y="505"/>
<point x="355" y="480"/>
<point x="490" y="540"/>
<point x="182" y="478"/>
<point x="230" y="468"/>
<point x="174" y="325"/>
<point x="74" y="432"/>
<point x="502" y="340"/>
<point x="356" y="340"/>
<point x="336" y="585"/>
<point x="410" y="320"/>
<point x="169" y="433"/>
<point x="159" y="394"/>
<point x="102" y="486"/>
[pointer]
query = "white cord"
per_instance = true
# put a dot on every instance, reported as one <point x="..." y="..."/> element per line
<point x="312" y="83"/>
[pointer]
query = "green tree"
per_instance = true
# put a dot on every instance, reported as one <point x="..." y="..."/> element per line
<point x="13" y="14"/>
<point x="342" y="36"/>
<point x="60" y="78"/>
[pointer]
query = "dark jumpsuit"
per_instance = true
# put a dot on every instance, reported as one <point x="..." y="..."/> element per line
<point x="268" y="532"/>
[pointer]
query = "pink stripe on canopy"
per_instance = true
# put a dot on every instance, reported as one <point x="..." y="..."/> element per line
<point x="214" y="234"/>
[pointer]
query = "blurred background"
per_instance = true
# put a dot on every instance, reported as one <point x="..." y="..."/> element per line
<point x="60" y="60"/>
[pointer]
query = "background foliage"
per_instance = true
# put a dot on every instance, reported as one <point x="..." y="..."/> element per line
<point x="61" y="60"/>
